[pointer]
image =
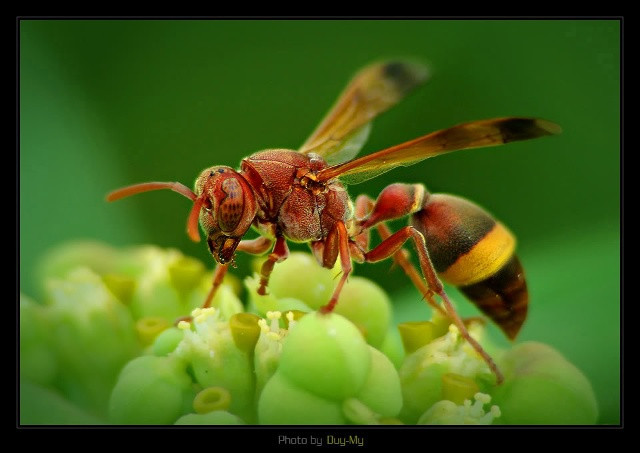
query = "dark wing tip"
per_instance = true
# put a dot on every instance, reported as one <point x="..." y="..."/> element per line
<point x="514" y="129"/>
<point x="405" y="74"/>
<point x="548" y="126"/>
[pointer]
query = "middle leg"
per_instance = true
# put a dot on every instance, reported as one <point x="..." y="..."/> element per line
<point x="279" y="254"/>
<point x="252" y="246"/>
<point x="337" y="242"/>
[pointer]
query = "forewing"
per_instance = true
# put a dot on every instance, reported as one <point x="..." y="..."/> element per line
<point x="475" y="134"/>
<point x="375" y="89"/>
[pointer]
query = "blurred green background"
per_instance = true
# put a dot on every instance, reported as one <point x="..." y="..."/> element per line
<point x="109" y="103"/>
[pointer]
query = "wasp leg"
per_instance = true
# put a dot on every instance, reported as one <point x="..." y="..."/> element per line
<point x="337" y="241"/>
<point x="218" y="275"/>
<point x="369" y="213"/>
<point x="402" y="259"/>
<point x="396" y="201"/>
<point x="475" y="252"/>
<point x="255" y="246"/>
<point x="392" y="245"/>
<point x="279" y="254"/>
<point x="252" y="246"/>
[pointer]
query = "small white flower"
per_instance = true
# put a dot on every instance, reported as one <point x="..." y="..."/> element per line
<point x="469" y="413"/>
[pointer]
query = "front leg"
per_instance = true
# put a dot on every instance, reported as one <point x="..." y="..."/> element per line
<point x="252" y="246"/>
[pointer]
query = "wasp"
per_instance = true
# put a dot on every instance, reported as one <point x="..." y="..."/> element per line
<point x="300" y="196"/>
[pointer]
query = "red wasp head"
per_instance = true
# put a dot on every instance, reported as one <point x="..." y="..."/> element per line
<point x="226" y="207"/>
<point x="223" y="201"/>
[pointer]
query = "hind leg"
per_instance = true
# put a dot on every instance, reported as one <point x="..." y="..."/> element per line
<point x="399" y="200"/>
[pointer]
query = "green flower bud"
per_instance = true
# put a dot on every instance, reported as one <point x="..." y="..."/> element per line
<point x="449" y="413"/>
<point x="284" y="403"/>
<point x="269" y="345"/>
<point x="42" y="406"/>
<point x="210" y="418"/>
<point x="392" y="347"/>
<point x="120" y="286"/>
<point x="441" y="325"/>
<point x="245" y="331"/>
<point x="92" y="335"/>
<point x="381" y="391"/>
<point x="314" y="290"/>
<point x="140" y="261"/>
<point x="421" y="374"/>
<point x="421" y="387"/>
<point x="458" y="388"/>
<point x="358" y="413"/>
<point x="167" y="341"/>
<point x="216" y="361"/>
<point x="37" y="359"/>
<point x="416" y="334"/>
<point x="542" y="387"/>
<point x="151" y="390"/>
<point x="166" y="284"/>
<point x="149" y="328"/>
<point x="366" y="305"/>
<point x="290" y="304"/>
<point x="59" y="261"/>
<point x="155" y="294"/>
<point x="212" y="399"/>
<point x="295" y="366"/>
<point x="269" y="302"/>
<point x="327" y="355"/>
<point x="185" y="273"/>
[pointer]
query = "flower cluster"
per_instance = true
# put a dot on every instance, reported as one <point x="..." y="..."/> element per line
<point x="105" y="347"/>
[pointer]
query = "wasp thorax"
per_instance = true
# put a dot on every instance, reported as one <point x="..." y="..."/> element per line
<point x="228" y="210"/>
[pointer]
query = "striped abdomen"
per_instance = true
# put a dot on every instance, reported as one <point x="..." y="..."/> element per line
<point x="474" y="252"/>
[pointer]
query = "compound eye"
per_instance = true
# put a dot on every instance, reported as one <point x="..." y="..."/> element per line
<point x="231" y="206"/>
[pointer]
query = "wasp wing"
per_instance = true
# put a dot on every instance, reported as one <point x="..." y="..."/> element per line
<point x="475" y="134"/>
<point x="374" y="89"/>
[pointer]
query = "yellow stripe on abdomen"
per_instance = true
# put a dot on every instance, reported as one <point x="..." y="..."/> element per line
<point x="485" y="258"/>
